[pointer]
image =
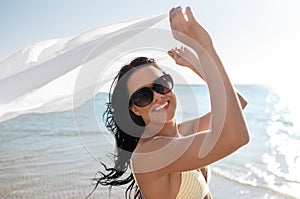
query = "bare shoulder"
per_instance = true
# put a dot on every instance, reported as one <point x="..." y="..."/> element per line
<point x="151" y="155"/>
<point x="152" y="182"/>
<point x="164" y="155"/>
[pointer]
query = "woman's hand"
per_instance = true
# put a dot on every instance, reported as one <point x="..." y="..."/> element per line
<point x="184" y="57"/>
<point x="187" y="30"/>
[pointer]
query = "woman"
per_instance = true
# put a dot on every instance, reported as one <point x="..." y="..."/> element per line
<point x="167" y="159"/>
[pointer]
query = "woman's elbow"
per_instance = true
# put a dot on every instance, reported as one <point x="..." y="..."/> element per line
<point x="240" y="139"/>
<point x="244" y="103"/>
<point x="244" y="139"/>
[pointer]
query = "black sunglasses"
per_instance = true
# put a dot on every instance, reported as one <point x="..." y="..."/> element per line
<point x="144" y="96"/>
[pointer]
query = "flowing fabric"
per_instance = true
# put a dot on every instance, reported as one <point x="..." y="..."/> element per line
<point x="42" y="77"/>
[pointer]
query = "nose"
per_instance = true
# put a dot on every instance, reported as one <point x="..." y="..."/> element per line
<point x="157" y="96"/>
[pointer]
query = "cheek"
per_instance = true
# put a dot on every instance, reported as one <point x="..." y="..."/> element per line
<point x="173" y="99"/>
<point x="146" y="117"/>
<point x="144" y="113"/>
<point x="174" y="104"/>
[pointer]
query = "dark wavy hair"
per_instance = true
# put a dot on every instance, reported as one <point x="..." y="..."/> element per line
<point x="126" y="127"/>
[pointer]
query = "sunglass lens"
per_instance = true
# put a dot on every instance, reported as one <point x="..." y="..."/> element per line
<point x="163" y="85"/>
<point x="143" y="97"/>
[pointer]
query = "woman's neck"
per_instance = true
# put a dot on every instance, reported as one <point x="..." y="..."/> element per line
<point x="168" y="129"/>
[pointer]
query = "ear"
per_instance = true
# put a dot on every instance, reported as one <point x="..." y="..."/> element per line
<point x="135" y="110"/>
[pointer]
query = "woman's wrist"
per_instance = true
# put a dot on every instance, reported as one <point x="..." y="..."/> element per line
<point x="209" y="48"/>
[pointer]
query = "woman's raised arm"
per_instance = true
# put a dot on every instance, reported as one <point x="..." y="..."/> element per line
<point x="228" y="130"/>
<point x="222" y="94"/>
<point x="186" y="58"/>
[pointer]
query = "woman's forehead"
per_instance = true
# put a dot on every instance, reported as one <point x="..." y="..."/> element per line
<point x="144" y="76"/>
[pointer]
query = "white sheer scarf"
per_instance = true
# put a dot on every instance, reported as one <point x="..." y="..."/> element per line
<point x="45" y="77"/>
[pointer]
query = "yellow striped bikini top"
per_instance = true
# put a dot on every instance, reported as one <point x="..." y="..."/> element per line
<point x="192" y="186"/>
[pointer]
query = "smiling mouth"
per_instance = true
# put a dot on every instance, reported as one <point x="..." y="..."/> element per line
<point x="161" y="107"/>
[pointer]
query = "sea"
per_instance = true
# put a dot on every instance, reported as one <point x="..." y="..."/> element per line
<point x="56" y="155"/>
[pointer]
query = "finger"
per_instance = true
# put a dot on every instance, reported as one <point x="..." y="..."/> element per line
<point x="175" y="57"/>
<point x="178" y="8"/>
<point x="189" y="14"/>
<point x="171" y="14"/>
<point x="179" y="14"/>
<point x="171" y="52"/>
<point x="179" y="50"/>
<point x="174" y="12"/>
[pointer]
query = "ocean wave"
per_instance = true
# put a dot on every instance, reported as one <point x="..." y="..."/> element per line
<point x="257" y="178"/>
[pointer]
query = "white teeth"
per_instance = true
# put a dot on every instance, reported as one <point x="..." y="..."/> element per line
<point x="161" y="106"/>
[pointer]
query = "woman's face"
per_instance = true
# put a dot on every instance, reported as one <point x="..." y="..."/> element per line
<point x="162" y="108"/>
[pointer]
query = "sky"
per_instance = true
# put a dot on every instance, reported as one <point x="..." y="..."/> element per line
<point x="257" y="40"/>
